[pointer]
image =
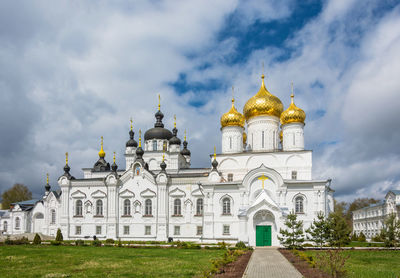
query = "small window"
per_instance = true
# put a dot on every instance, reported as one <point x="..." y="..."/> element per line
<point x="177" y="207"/>
<point x="226" y="206"/>
<point x="127" y="207"/>
<point x="262" y="139"/>
<point x="154" y="145"/>
<point x="148" y="208"/>
<point x="147" y="230"/>
<point x="199" y="230"/>
<point x="177" y="230"/>
<point x="53" y="216"/>
<point x="5" y="226"/>
<point x="98" y="230"/>
<point x="299" y="204"/>
<point x="78" y="230"/>
<point x="199" y="206"/>
<point x="17" y="223"/>
<point x="230" y="142"/>
<point x="226" y="229"/>
<point x="78" y="208"/>
<point x="99" y="208"/>
<point x="294" y="175"/>
<point x="294" y="139"/>
<point x="126" y="230"/>
<point x="230" y="177"/>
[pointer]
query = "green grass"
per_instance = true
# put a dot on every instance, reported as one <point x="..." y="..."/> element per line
<point x="365" y="244"/>
<point x="88" y="261"/>
<point x="371" y="263"/>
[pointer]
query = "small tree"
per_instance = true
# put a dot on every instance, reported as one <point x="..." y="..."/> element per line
<point x="339" y="231"/>
<point x="354" y="237"/>
<point x="361" y="237"/>
<point x="37" y="240"/>
<point x="17" y="193"/>
<point x="332" y="262"/>
<point x="319" y="230"/>
<point x="391" y="231"/>
<point x="293" y="236"/>
<point x="59" y="236"/>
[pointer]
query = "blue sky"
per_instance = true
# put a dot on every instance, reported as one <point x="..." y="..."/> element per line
<point x="72" y="72"/>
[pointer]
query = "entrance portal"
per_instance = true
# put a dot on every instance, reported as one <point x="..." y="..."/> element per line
<point x="263" y="236"/>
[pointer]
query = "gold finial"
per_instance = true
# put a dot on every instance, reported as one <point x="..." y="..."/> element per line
<point x="263" y="178"/>
<point x="292" y="95"/>
<point x="233" y="98"/>
<point x="47" y="178"/>
<point x="140" y="138"/>
<point x="102" y="154"/>
<point x="131" y="124"/>
<point x="66" y="158"/>
<point x="114" y="158"/>
<point x="174" y="121"/>
<point x="159" y="102"/>
<point x="185" y="136"/>
<point x="215" y="152"/>
<point x="163" y="156"/>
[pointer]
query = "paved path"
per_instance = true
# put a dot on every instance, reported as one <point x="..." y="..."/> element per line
<point x="269" y="263"/>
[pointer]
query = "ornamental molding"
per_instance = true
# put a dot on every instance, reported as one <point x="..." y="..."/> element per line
<point x="148" y="193"/>
<point x="127" y="194"/>
<point x="177" y="193"/>
<point x="98" y="194"/>
<point x="78" y="194"/>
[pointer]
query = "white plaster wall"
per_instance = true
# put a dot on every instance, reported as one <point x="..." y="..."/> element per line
<point x="232" y="139"/>
<point x="293" y="137"/>
<point x="267" y="126"/>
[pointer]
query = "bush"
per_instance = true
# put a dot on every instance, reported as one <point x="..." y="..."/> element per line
<point x="59" y="236"/>
<point x="361" y="237"/>
<point x="332" y="262"/>
<point x="354" y="237"/>
<point x="222" y="245"/>
<point x="55" y="242"/>
<point x="8" y="241"/>
<point x="37" y="240"/>
<point x="241" y="245"/>
<point x="110" y="241"/>
<point x="96" y="243"/>
<point x="119" y="243"/>
<point x="302" y="255"/>
<point x="79" y="242"/>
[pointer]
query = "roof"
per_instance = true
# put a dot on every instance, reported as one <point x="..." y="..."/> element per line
<point x="396" y="192"/>
<point x="26" y="205"/>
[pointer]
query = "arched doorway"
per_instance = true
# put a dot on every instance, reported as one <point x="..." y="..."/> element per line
<point x="264" y="226"/>
<point x="38" y="222"/>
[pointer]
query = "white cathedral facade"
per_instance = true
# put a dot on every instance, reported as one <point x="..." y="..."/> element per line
<point x="262" y="173"/>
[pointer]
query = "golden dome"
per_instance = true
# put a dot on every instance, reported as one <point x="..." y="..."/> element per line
<point x="232" y="117"/>
<point x="102" y="154"/>
<point x="244" y="138"/>
<point x="293" y="114"/>
<point x="263" y="103"/>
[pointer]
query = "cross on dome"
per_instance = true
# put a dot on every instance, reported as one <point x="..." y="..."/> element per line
<point x="263" y="178"/>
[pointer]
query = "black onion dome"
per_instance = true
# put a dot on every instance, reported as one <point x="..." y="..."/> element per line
<point x="66" y="172"/>
<point x="158" y="131"/>
<point x="174" y="140"/>
<point x="47" y="187"/>
<point x="214" y="164"/>
<point x="114" y="167"/>
<point x="131" y="142"/>
<point x="185" y="150"/>
<point x="163" y="165"/>
<point x="101" y="165"/>
<point x="139" y="152"/>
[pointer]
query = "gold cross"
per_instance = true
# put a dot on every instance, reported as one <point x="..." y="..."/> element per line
<point x="263" y="178"/>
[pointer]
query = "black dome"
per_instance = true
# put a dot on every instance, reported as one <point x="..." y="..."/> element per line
<point x="131" y="142"/>
<point x="175" y="140"/>
<point x="157" y="133"/>
<point x="101" y="165"/>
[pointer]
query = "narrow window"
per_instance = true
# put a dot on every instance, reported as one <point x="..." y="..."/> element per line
<point x="98" y="230"/>
<point x="177" y="230"/>
<point x="147" y="230"/>
<point x="17" y="223"/>
<point x="127" y="207"/>
<point x="148" y="208"/>
<point x="299" y="205"/>
<point x="230" y="142"/>
<point x="177" y="207"/>
<point x="154" y="145"/>
<point x="99" y="208"/>
<point x="5" y="227"/>
<point x="294" y="175"/>
<point x="294" y="143"/>
<point x="274" y="139"/>
<point x="262" y="139"/>
<point x="226" y="206"/>
<point x="126" y="230"/>
<point x="226" y="229"/>
<point x="199" y="230"/>
<point x="78" y="208"/>
<point x="252" y="141"/>
<point x="53" y="216"/>
<point x="230" y="177"/>
<point x="78" y="230"/>
<point x="199" y="206"/>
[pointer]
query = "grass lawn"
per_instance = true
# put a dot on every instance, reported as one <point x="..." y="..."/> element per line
<point x="371" y="263"/>
<point x="89" y="261"/>
<point x="365" y="244"/>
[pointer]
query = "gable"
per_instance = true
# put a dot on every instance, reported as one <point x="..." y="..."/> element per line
<point x="78" y="194"/>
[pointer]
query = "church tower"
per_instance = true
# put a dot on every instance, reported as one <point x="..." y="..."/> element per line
<point x="262" y="113"/>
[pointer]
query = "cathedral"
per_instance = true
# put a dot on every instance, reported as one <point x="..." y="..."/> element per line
<point x="261" y="174"/>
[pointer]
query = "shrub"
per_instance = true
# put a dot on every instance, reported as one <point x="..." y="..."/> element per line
<point x="222" y="245"/>
<point x="240" y="245"/>
<point x="332" y="262"/>
<point x="96" y="243"/>
<point x="110" y="241"/>
<point x="79" y="242"/>
<point x="361" y="237"/>
<point x="8" y="241"/>
<point x="354" y="237"/>
<point x="302" y="255"/>
<point x="55" y="242"/>
<point x="119" y="243"/>
<point x="37" y="240"/>
<point x="59" y="236"/>
<point x="308" y="245"/>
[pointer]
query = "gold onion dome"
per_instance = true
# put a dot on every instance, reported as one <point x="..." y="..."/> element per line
<point x="102" y="154"/>
<point x="293" y="114"/>
<point x="263" y="104"/>
<point x="232" y="117"/>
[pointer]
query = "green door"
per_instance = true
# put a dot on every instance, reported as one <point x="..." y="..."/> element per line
<point x="263" y="235"/>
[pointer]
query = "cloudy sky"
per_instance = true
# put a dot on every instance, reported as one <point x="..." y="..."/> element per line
<point x="72" y="71"/>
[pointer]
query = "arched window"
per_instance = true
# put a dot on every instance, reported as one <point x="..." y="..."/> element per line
<point x="226" y="206"/>
<point x="17" y="223"/>
<point x="53" y="217"/>
<point x="154" y="145"/>
<point x="177" y="207"/>
<point x="99" y="208"/>
<point x="127" y="207"/>
<point x="78" y="208"/>
<point x="147" y="207"/>
<point x="5" y="226"/>
<point x="299" y="204"/>
<point x="199" y="206"/>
